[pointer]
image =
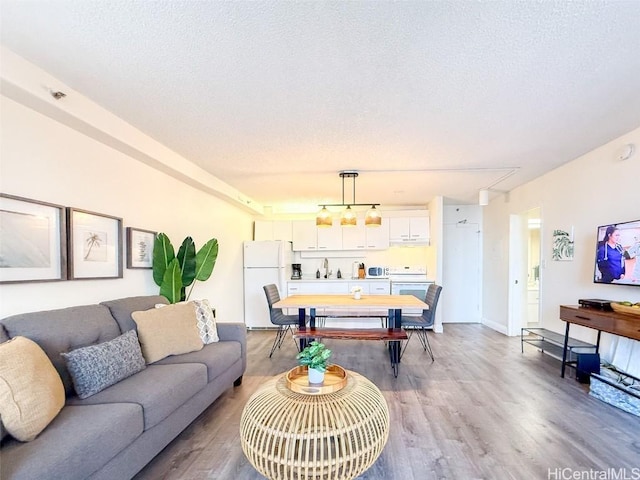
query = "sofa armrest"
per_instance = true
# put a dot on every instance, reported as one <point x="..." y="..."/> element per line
<point x="234" y="331"/>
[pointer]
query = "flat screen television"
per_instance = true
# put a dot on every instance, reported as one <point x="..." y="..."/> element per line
<point x="618" y="254"/>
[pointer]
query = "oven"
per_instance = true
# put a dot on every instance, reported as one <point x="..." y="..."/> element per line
<point x="410" y="280"/>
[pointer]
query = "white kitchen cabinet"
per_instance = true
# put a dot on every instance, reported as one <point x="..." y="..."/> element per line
<point x="320" y="286"/>
<point x="354" y="238"/>
<point x="272" y="230"/>
<point x="308" y="237"/>
<point x="372" y="287"/>
<point x="330" y="238"/>
<point x="378" y="237"/>
<point x="304" y="235"/>
<point x="409" y="230"/>
<point x="362" y="237"/>
<point x="379" y="288"/>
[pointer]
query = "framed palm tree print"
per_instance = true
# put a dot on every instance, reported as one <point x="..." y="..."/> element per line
<point x="95" y="245"/>
<point x="33" y="240"/>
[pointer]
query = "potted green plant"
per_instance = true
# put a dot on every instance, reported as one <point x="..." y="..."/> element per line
<point x="315" y="356"/>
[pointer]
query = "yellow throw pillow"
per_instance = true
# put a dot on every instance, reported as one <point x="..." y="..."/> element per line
<point x="31" y="391"/>
<point x="171" y="330"/>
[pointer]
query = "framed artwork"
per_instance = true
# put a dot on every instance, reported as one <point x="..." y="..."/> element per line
<point x="95" y="245"/>
<point x="33" y="246"/>
<point x="140" y="248"/>
<point x="562" y="245"/>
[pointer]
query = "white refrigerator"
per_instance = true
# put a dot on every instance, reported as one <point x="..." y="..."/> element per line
<point x="265" y="262"/>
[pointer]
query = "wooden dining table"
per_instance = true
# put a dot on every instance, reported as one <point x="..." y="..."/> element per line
<point x="394" y="304"/>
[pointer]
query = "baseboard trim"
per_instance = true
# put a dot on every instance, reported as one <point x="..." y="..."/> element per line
<point x="495" y="326"/>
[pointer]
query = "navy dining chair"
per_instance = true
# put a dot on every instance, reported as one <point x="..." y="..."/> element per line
<point x="420" y="325"/>
<point x="285" y="323"/>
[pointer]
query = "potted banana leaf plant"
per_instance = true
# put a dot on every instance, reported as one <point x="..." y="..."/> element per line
<point x="174" y="273"/>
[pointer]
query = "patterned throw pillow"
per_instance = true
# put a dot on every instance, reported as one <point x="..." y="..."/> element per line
<point x="31" y="391"/>
<point x="205" y="318"/>
<point x="97" y="367"/>
<point x="206" y="322"/>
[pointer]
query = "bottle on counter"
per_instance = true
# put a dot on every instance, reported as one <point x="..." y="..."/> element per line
<point x="318" y="273"/>
<point x="339" y="274"/>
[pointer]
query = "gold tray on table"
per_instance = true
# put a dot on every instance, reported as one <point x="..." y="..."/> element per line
<point x="624" y="309"/>
<point x="335" y="378"/>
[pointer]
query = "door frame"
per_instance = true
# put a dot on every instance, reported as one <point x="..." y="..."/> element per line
<point x="518" y="261"/>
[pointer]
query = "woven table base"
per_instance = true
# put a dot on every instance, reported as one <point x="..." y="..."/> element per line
<point x="288" y="435"/>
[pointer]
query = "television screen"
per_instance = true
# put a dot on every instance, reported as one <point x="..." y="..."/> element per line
<point x="618" y="254"/>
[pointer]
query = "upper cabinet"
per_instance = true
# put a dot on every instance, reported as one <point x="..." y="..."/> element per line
<point x="409" y="230"/>
<point x="272" y="230"/>
<point x="304" y="235"/>
<point x="378" y="237"/>
<point x="329" y="238"/>
<point x="307" y="237"/>
<point x="362" y="237"/>
<point x="354" y="238"/>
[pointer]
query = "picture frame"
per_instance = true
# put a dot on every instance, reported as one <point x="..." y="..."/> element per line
<point x="140" y="248"/>
<point x="563" y="245"/>
<point x="34" y="240"/>
<point x="95" y="245"/>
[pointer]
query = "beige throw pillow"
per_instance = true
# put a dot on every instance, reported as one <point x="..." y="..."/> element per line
<point x="205" y="320"/>
<point x="167" y="331"/>
<point x="31" y="391"/>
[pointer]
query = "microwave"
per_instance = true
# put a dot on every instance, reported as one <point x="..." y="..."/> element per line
<point x="377" y="272"/>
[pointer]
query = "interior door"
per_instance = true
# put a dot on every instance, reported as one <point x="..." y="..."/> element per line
<point x="460" y="297"/>
<point x="518" y="238"/>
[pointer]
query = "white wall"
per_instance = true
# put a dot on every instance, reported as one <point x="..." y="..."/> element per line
<point x="48" y="161"/>
<point x="595" y="189"/>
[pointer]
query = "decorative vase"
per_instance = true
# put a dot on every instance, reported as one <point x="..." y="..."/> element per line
<point x="316" y="376"/>
<point x="356" y="295"/>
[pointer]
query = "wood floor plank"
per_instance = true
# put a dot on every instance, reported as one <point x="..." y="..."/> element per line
<point x="482" y="410"/>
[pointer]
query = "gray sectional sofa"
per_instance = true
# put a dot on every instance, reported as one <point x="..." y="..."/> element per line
<point x="116" y="432"/>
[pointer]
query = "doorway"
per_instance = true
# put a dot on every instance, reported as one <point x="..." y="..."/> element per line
<point x="461" y="276"/>
<point x="524" y="270"/>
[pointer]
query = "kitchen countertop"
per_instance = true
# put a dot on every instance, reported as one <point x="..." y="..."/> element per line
<point x="343" y="279"/>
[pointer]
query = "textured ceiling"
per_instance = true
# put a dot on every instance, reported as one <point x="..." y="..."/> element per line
<point x="423" y="98"/>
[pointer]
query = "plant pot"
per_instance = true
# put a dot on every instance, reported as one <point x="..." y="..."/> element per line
<point x="316" y="376"/>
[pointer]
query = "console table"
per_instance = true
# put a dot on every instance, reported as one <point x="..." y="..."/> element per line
<point x="622" y="324"/>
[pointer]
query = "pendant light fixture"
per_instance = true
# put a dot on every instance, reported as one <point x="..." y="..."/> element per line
<point x="348" y="217"/>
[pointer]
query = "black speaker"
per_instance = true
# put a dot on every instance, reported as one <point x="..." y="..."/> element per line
<point x="588" y="363"/>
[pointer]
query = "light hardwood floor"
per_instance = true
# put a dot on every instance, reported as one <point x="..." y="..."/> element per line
<point x="482" y="410"/>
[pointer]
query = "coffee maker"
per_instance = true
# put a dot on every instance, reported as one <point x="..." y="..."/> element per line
<point x="296" y="271"/>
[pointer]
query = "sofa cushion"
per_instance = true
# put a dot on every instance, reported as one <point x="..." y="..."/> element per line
<point x="167" y="331"/>
<point x="63" y="330"/>
<point x="205" y="320"/>
<point x="97" y="367"/>
<point x="218" y="357"/>
<point x="122" y="308"/>
<point x="159" y="389"/>
<point x="31" y="392"/>
<point x="79" y="441"/>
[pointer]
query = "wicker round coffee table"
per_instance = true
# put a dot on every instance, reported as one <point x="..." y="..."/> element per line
<point x="291" y="435"/>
